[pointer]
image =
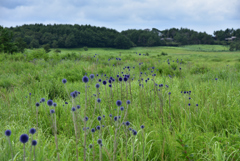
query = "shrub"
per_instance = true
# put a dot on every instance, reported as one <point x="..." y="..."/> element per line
<point x="85" y="48"/>
<point x="163" y="54"/>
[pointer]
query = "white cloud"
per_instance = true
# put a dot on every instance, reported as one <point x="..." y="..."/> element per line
<point x="124" y="14"/>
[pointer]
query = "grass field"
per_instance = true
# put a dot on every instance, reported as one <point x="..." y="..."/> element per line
<point x="178" y="125"/>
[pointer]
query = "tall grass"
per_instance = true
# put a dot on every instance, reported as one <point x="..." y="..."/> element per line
<point x="211" y="133"/>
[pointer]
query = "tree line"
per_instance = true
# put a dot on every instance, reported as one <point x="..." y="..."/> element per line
<point x="16" y="39"/>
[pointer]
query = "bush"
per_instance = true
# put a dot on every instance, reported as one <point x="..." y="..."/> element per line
<point x="163" y="53"/>
<point x="85" y="48"/>
<point x="57" y="51"/>
<point x="147" y="54"/>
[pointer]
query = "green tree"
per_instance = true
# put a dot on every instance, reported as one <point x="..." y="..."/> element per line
<point x="21" y="44"/>
<point x="122" y="42"/>
<point x="34" y="43"/>
<point x="47" y="48"/>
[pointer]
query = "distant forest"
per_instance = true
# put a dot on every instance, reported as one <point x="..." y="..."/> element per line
<point x="15" y="39"/>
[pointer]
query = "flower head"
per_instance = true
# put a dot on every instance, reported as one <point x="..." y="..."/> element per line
<point x="98" y="127"/>
<point x="119" y="103"/>
<point x="43" y="100"/>
<point x="128" y="102"/>
<point x="49" y="102"/>
<point x="99" y="141"/>
<point x="104" y="82"/>
<point x="97" y="85"/>
<point x="86" y="118"/>
<point x="73" y="109"/>
<point x="142" y="126"/>
<point x="127" y="123"/>
<point x="24" y="138"/>
<point x="64" y="81"/>
<point x="134" y="132"/>
<point x="32" y="131"/>
<point x="115" y="118"/>
<point x="52" y="111"/>
<point x="121" y="108"/>
<point x="37" y="104"/>
<point x="8" y="132"/>
<point x="78" y="106"/>
<point x="98" y="100"/>
<point x="92" y="130"/>
<point x="99" y="118"/>
<point x="91" y="76"/>
<point x="34" y="142"/>
<point x="85" y="79"/>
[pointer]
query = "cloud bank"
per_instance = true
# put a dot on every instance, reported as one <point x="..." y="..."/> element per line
<point x="199" y="15"/>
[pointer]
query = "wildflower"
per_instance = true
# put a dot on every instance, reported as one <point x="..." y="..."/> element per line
<point x="125" y="79"/>
<point x="85" y="79"/>
<point x="196" y="104"/>
<point x="52" y="111"/>
<point x="120" y="79"/>
<point x="43" y="100"/>
<point x="86" y="118"/>
<point x="134" y="132"/>
<point x="66" y="103"/>
<point x="110" y="115"/>
<point x="169" y="93"/>
<point x="73" y="94"/>
<point x="142" y="126"/>
<point x="189" y="104"/>
<point x="104" y="82"/>
<point x="99" y="80"/>
<point x="99" y="118"/>
<point x="115" y="118"/>
<point x="8" y="133"/>
<point x="24" y="138"/>
<point x="121" y="108"/>
<point x="91" y="76"/>
<point x="98" y="127"/>
<point x="49" y="102"/>
<point x="34" y="142"/>
<point x="119" y="103"/>
<point x="78" y="106"/>
<point x="92" y="130"/>
<point x="98" y="100"/>
<point x="37" y="104"/>
<point x="32" y="131"/>
<point x="54" y="104"/>
<point x="97" y="85"/>
<point x="110" y="85"/>
<point x="73" y="109"/>
<point x="64" y="81"/>
<point x="90" y="146"/>
<point x="127" y="123"/>
<point x="99" y="141"/>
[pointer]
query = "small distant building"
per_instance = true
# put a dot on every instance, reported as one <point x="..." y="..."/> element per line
<point x="230" y="38"/>
<point x="167" y="39"/>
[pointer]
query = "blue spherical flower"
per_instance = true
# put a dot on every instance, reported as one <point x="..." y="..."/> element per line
<point x="97" y="85"/>
<point x="92" y="130"/>
<point x="127" y="123"/>
<point x="99" y="80"/>
<point x="134" y="132"/>
<point x="8" y="132"/>
<point x="169" y="93"/>
<point x="54" y="104"/>
<point x="121" y="108"/>
<point x="24" y="138"/>
<point x="66" y="103"/>
<point x="85" y="79"/>
<point x="90" y="146"/>
<point x="37" y="104"/>
<point x="91" y="76"/>
<point x="189" y="104"/>
<point x="130" y="129"/>
<point x="49" y="102"/>
<point x="64" y="81"/>
<point x="142" y="126"/>
<point x="98" y="100"/>
<point x="34" y="142"/>
<point x="99" y="141"/>
<point x="110" y="85"/>
<point x="110" y="115"/>
<point x="115" y="118"/>
<point x="119" y="103"/>
<point x="52" y="111"/>
<point x="73" y="109"/>
<point x="110" y="81"/>
<point x="104" y="82"/>
<point x="120" y="79"/>
<point x="78" y="106"/>
<point x="43" y="100"/>
<point x="216" y="79"/>
<point x="32" y="131"/>
<point x="125" y="79"/>
<point x="196" y="104"/>
<point x="189" y="98"/>
<point x="98" y="127"/>
<point x="117" y="76"/>
<point x="99" y="118"/>
<point x="86" y="118"/>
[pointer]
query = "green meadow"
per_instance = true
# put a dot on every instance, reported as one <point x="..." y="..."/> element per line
<point x="203" y="124"/>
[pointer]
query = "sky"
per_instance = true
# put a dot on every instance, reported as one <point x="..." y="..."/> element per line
<point x="198" y="15"/>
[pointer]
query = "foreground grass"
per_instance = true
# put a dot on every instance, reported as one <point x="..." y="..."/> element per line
<point x="173" y="129"/>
